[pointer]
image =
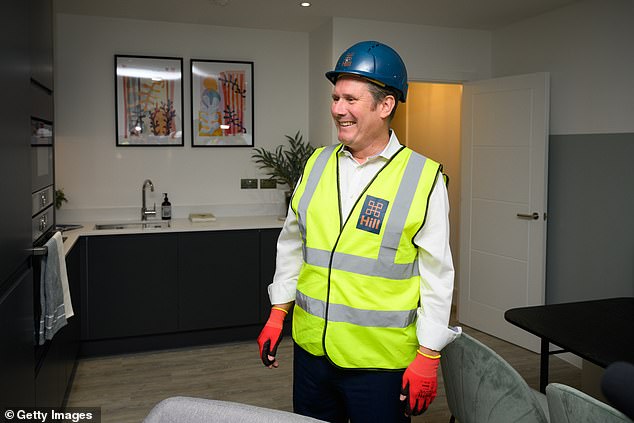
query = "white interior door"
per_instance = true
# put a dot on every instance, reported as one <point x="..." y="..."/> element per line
<point x="504" y="176"/>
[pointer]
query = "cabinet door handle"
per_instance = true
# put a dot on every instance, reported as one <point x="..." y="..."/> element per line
<point x="533" y="216"/>
<point x="38" y="251"/>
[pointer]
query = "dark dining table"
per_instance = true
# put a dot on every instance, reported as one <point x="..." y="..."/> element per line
<point x="599" y="331"/>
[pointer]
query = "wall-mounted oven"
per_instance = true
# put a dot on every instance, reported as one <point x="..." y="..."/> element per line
<point x="43" y="214"/>
<point x="41" y="154"/>
<point x="42" y="179"/>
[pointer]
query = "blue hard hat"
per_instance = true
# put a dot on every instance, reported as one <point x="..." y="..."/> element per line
<point x="375" y="61"/>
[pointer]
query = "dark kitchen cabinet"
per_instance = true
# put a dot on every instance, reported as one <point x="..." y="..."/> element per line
<point x="131" y="286"/>
<point x="26" y="92"/>
<point x="56" y="359"/>
<point x="15" y="161"/>
<point x="16" y="343"/>
<point x="55" y="371"/>
<point x="41" y="42"/>
<point x="41" y="103"/>
<point x="49" y="378"/>
<point x="16" y="276"/>
<point x="152" y="291"/>
<point x="70" y="335"/>
<point x="218" y="278"/>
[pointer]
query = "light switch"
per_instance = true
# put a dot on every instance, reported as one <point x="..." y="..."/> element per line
<point x="268" y="184"/>
<point x="248" y="183"/>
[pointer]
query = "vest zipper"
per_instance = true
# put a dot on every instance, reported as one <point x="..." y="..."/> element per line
<point x="334" y="248"/>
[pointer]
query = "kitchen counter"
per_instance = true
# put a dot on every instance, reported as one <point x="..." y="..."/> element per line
<point x="176" y="225"/>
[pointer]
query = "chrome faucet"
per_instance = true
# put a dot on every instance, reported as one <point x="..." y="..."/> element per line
<point x="144" y="210"/>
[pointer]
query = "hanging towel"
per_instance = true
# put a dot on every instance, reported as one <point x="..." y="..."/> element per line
<point x="55" y="301"/>
<point x="61" y="257"/>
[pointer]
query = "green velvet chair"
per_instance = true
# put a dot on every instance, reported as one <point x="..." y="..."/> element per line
<point x="569" y="405"/>
<point x="482" y="387"/>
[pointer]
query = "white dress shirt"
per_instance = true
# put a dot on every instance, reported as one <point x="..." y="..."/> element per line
<point x="434" y="255"/>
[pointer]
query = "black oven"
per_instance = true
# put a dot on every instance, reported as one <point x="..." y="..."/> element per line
<point x="43" y="213"/>
<point x="41" y="154"/>
<point x="42" y="179"/>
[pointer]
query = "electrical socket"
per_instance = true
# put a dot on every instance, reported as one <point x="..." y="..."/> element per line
<point x="248" y="184"/>
<point x="268" y="184"/>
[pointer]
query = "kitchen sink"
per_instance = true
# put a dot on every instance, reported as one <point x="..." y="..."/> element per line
<point x="158" y="224"/>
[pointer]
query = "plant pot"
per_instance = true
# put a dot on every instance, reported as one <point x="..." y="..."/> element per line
<point x="287" y="201"/>
<point x="287" y="197"/>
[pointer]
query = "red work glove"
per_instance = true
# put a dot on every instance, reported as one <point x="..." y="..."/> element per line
<point x="419" y="385"/>
<point x="271" y="336"/>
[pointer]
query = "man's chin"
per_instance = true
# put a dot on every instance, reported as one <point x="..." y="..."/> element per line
<point x="344" y="137"/>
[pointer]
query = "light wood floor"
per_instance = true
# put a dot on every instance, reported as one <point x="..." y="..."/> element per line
<point x="126" y="387"/>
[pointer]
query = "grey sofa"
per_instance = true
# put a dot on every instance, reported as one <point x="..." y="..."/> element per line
<point x="200" y="410"/>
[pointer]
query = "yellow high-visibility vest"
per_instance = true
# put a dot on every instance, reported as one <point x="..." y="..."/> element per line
<point x="359" y="286"/>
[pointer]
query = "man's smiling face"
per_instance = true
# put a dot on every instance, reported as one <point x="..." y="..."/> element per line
<point x="360" y="121"/>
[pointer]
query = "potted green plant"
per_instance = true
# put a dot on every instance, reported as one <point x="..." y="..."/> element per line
<point x="60" y="198"/>
<point x="285" y="165"/>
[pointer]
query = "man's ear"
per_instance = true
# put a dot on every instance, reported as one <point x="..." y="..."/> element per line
<point x="387" y="105"/>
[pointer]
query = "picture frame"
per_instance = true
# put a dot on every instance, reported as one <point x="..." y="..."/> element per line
<point x="148" y="101"/>
<point x="221" y="103"/>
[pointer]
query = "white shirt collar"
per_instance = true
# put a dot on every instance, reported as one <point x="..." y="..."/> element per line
<point x="393" y="145"/>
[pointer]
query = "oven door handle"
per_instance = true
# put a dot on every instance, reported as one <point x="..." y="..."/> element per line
<point x="38" y="251"/>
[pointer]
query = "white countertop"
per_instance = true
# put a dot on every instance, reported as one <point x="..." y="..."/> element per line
<point x="176" y="225"/>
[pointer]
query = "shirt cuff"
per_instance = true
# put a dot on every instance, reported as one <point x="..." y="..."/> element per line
<point x="280" y="294"/>
<point x="433" y="335"/>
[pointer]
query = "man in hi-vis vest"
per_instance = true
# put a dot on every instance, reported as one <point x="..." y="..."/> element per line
<point x="364" y="259"/>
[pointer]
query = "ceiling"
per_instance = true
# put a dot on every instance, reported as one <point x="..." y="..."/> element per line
<point x="286" y="15"/>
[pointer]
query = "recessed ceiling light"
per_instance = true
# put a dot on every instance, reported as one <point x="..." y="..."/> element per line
<point x="305" y="4"/>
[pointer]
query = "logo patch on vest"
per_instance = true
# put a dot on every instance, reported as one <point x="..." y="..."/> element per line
<point x="372" y="214"/>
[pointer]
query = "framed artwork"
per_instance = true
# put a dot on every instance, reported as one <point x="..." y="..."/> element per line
<point x="222" y="103"/>
<point x="149" y="100"/>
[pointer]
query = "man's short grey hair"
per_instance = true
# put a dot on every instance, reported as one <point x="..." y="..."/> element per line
<point x="379" y="94"/>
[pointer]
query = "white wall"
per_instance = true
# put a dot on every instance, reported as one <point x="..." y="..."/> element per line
<point x="587" y="48"/>
<point x="104" y="181"/>
<point x="322" y="132"/>
<point x="430" y="53"/>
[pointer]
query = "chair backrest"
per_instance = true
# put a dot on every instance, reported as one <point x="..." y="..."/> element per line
<point x="569" y="405"/>
<point x="482" y="387"/>
<point x="200" y="410"/>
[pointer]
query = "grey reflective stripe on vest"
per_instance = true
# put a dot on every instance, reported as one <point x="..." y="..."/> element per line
<point x="384" y="265"/>
<point x="402" y="204"/>
<point x="359" y="317"/>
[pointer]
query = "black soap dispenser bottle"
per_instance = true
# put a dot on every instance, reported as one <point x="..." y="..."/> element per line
<point x="166" y="208"/>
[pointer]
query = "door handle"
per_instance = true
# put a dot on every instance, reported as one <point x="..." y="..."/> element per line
<point x="533" y="216"/>
<point x="38" y="251"/>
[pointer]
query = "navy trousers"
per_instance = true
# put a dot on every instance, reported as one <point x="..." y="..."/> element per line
<point x="324" y="391"/>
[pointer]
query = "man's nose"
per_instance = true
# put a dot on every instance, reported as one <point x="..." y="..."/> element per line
<point x="338" y="108"/>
